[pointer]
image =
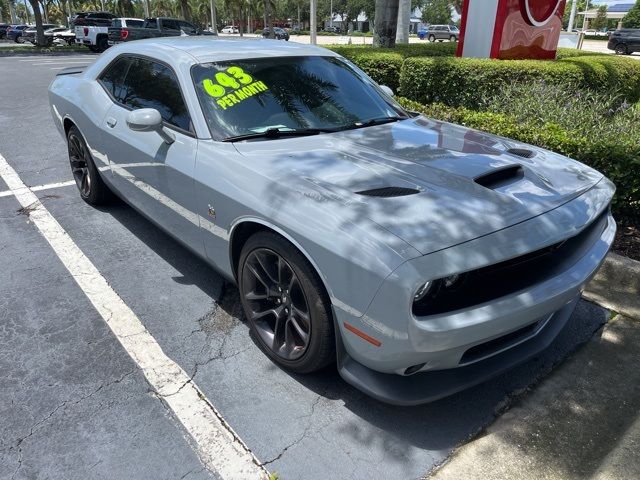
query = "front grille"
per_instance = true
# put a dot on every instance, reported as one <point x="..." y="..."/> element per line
<point x="504" y="278"/>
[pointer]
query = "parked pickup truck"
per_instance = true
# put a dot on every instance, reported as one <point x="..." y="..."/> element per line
<point x="96" y="36"/>
<point x="153" y="27"/>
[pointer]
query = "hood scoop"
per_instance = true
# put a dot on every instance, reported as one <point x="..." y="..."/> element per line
<point x="522" y="152"/>
<point x="501" y="176"/>
<point x="388" y="192"/>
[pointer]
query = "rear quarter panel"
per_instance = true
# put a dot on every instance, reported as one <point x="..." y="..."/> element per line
<point x="83" y="102"/>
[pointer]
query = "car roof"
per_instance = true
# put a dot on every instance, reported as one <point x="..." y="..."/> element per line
<point x="211" y="48"/>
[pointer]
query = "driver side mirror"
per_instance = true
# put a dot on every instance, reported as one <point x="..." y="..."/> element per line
<point x="149" y="120"/>
<point x="387" y="90"/>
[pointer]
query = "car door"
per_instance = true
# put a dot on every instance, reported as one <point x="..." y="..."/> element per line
<point x="153" y="176"/>
<point x="634" y="40"/>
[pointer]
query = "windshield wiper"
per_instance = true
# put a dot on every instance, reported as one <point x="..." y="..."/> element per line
<point x="373" y="121"/>
<point x="277" y="133"/>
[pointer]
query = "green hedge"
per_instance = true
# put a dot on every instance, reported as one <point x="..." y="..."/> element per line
<point x="383" y="66"/>
<point x="387" y="67"/>
<point x="617" y="156"/>
<point x="463" y="82"/>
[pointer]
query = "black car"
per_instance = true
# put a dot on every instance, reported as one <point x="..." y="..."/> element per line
<point x="625" y="41"/>
<point x="278" y="33"/>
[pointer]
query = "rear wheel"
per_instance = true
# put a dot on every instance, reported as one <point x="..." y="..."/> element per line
<point x="91" y="187"/>
<point x="285" y="304"/>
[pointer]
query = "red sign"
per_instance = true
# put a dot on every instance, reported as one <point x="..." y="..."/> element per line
<point x="511" y="29"/>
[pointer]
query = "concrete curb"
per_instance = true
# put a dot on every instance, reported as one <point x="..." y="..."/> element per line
<point x="616" y="286"/>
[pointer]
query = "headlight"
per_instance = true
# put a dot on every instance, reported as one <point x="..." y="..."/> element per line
<point x="442" y="289"/>
<point x="422" y="292"/>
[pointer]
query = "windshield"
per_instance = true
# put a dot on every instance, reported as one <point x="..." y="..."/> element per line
<point x="246" y="97"/>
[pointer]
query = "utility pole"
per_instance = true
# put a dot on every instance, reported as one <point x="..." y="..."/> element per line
<point x="312" y="21"/>
<point x="214" y="21"/>
<point x="331" y="15"/>
<point x="572" y="16"/>
<point x="584" y="19"/>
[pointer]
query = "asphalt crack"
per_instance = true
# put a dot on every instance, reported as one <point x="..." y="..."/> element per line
<point x="302" y="436"/>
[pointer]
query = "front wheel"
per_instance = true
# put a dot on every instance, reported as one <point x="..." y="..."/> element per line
<point x="285" y="303"/>
<point x="432" y="38"/>
<point x="453" y="38"/>
<point x="91" y="187"/>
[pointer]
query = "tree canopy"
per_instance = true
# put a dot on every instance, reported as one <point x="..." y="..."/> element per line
<point x="632" y="19"/>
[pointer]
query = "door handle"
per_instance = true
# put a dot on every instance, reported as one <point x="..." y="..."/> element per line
<point x="111" y="122"/>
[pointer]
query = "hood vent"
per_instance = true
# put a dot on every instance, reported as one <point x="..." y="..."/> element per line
<point x="522" y="152"/>
<point x="501" y="176"/>
<point x="388" y="192"/>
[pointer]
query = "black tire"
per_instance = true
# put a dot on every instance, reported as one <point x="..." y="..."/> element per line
<point x="260" y="307"/>
<point x="93" y="48"/>
<point x="90" y="185"/>
<point x="621" y="49"/>
<point x="432" y="38"/>
<point x="453" y="38"/>
<point x="102" y="44"/>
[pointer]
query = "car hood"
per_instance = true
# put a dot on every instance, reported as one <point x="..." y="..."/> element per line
<point x="455" y="184"/>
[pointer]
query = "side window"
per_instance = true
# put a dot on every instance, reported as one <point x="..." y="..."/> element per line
<point x="187" y="27"/>
<point x="113" y="78"/>
<point x="117" y="23"/>
<point x="151" y="23"/>
<point x="170" y="25"/>
<point x="153" y="85"/>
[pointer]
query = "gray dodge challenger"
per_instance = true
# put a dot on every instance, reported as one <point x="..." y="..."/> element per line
<point x="419" y="256"/>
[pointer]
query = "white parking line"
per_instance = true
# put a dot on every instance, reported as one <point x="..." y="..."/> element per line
<point x="218" y="446"/>
<point x="49" y="186"/>
<point x="38" y="188"/>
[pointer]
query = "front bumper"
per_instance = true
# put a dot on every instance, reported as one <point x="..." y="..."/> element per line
<point x="455" y="350"/>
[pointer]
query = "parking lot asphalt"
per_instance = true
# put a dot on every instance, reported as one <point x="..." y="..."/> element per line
<point x="73" y="404"/>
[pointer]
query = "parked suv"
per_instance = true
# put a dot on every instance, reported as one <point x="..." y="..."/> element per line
<point x="625" y="41"/>
<point x="443" y="32"/>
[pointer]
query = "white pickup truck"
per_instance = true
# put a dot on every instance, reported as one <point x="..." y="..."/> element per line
<point x="96" y="36"/>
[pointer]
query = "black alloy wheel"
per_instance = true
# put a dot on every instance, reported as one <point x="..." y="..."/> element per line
<point x="282" y="298"/>
<point x="91" y="187"/>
